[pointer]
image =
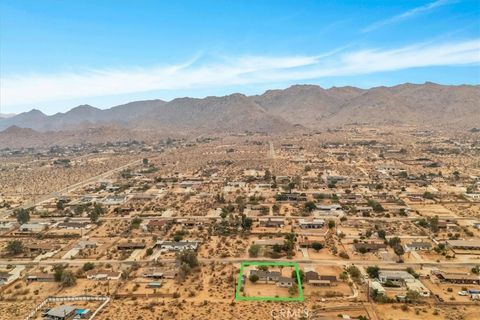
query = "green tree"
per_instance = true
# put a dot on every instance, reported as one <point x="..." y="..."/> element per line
<point x="135" y="224"/>
<point x="354" y="272"/>
<point x="188" y="257"/>
<point x="60" y="204"/>
<point x="149" y="252"/>
<point x="87" y="266"/>
<point x="395" y="241"/>
<point x="317" y="246"/>
<point x="293" y="290"/>
<point x="300" y="273"/>
<point x="373" y="271"/>
<point x="68" y="279"/>
<point x="428" y="195"/>
<point x="268" y="175"/>
<point x="15" y="247"/>
<point x="145" y="161"/>
<point x="376" y="206"/>
<point x="399" y="251"/>
<point x="246" y="223"/>
<point x="412" y="296"/>
<point x="58" y="270"/>
<point x="22" y="215"/>
<point x="253" y="250"/>
<point x="96" y="212"/>
<point x="290" y="186"/>
<point x="253" y="278"/>
<point x="362" y="250"/>
<point x="331" y="224"/>
<point x="309" y="206"/>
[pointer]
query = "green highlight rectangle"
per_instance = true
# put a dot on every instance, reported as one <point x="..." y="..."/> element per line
<point x="238" y="297"/>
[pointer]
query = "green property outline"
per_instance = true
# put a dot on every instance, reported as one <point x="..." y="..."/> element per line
<point x="238" y="297"/>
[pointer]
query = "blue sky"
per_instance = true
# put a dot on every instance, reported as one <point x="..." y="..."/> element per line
<point x="55" y="55"/>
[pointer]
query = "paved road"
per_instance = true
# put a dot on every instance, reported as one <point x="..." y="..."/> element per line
<point x="382" y="264"/>
<point x="271" y="151"/>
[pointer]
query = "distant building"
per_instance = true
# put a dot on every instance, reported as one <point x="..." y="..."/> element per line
<point x="86" y="244"/>
<point x="130" y="246"/>
<point x="370" y="247"/>
<point x="74" y="225"/>
<point x="464" y="244"/>
<point x="103" y="274"/>
<point x="458" y="278"/>
<point x="272" y="222"/>
<point x="396" y="277"/>
<point x="32" y="227"/>
<point x="113" y="200"/>
<point x="177" y="246"/>
<point x="418" y="246"/>
<point x="62" y="312"/>
<point x="311" y="224"/>
<point x="40" y="277"/>
<point x="375" y="285"/>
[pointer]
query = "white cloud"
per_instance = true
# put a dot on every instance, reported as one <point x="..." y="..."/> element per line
<point x="227" y="71"/>
<point x="406" y="15"/>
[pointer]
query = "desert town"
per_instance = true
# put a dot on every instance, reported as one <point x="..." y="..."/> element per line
<point x="348" y="223"/>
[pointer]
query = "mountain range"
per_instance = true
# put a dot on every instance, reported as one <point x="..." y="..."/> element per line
<point x="275" y="111"/>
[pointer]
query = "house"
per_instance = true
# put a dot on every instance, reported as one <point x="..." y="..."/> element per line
<point x="154" y="274"/>
<point x="74" y="225"/>
<point x="113" y="200"/>
<point x="130" y="246"/>
<point x="285" y="282"/>
<point x="86" y="244"/>
<point x="272" y="222"/>
<point x="293" y="196"/>
<point x="190" y="223"/>
<point x="370" y="247"/>
<point x="142" y="198"/>
<point x="32" y="227"/>
<point x="154" y="284"/>
<point x="4" y="277"/>
<point x="417" y="246"/>
<point x="320" y="283"/>
<point x="396" y="277"/>
<point x="330" y="207"/>
<point x="62" y="312"/>
<point x="156" y="225"/>
<point x="38" y="248"/>
<point x="253" y="173"/>
<point x="171" y="274"/>
<point x="311" y="275"/>
<point x="375" y="285"/>
<point x="7" y="225"/>
<point x="177" y="246"/>
<point x="103" y="274"/>
<point x="328" y="278"/>
<point x="417" y="285"/>
<point x="266" y="276"/>
<point x="311" y="224"/>
<point x="464" y="244"/>
<point x="458" y="278"/>
<point x="473" y="196"/>
<point x="40" y="277"/>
